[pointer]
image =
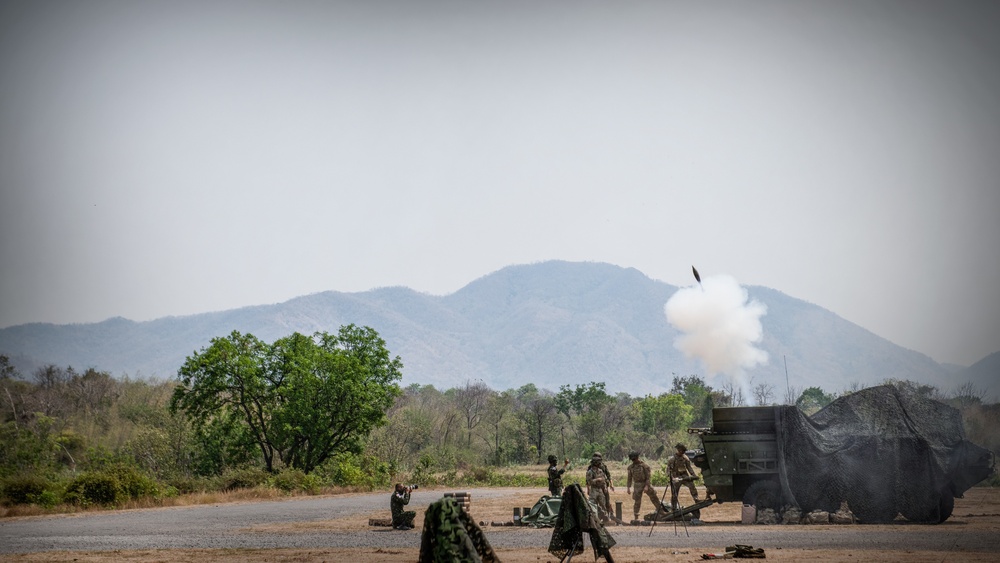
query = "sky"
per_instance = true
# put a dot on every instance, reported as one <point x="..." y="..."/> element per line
<point x="172" y="158"/>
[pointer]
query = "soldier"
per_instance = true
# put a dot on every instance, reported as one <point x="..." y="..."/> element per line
<point x="598" y="482"/>
<point x="401" y="519"/>
<point x="679" y="471"/>
<point x="555" y="476"/>
<point x="640" y="477"/>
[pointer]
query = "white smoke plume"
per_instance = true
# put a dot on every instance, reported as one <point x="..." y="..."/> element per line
<point x="719" y="327"/>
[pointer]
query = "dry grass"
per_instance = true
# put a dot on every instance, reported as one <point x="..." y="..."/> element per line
<point x="191" y="499"/>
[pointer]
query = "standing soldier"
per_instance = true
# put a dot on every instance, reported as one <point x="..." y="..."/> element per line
<point x="597" y="487"/>
<point x="555" y="476"/>
<point x="640" y="477"/>
<point x="679" y="471"/>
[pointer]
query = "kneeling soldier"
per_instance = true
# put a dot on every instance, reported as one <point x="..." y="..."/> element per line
<point x="401" y="519"/>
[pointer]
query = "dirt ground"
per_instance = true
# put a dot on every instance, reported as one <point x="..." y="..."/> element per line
<point x="621" y="555"/>
<point x="978" y="512"/>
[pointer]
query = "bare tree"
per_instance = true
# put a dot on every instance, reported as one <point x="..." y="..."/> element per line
<point x="735" y="394"/>
<point x="763" y="393"/>
<point x="967" y="394"/>
<point x="49" y="396"/>
<point x="853" y="387"/>
<point x="497" y="408"/>
<point x="792" y="394"/>
<point x="93" y="391"/>
<point x="540" y="414"/>
<point x="471" y="402"/>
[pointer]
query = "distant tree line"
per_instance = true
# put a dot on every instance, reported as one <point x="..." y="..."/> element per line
<point x="306" y="412"/>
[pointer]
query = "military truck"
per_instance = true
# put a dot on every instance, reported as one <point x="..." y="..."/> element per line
<point x="884" y="450"/>
<point x="739" y="456"/>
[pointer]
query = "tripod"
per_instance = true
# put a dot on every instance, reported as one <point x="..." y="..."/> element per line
<point x="569" y="553"/>
<point x="674" y="511"/>
<point x="677" y="512"/>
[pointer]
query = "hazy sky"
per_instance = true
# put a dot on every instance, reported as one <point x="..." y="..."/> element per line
<point x="170" y="158"/>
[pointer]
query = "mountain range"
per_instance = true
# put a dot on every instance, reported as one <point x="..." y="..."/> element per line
<point x="552" y="323"/>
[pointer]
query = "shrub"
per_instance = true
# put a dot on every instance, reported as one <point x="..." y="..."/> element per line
<point x="423" y="473"/>
<point x="48" y="498"/>
<point x="350" y="470"/>
<point x="23" y="489"/>
<point x="134" y="483"/>
<point x="289" y="480"/>
<point x="245" y="478"/>
<point x="95" y="488"/>
<point x="483" y="475"/>
<point x="185" y="485"/>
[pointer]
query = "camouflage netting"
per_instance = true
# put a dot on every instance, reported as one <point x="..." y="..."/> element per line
<point x="450" y="535"/>
<point x="577" y="515"/>
<point x="884" y="450"/>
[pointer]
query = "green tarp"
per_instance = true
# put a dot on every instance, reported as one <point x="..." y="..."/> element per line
<point x="543" y="514"/>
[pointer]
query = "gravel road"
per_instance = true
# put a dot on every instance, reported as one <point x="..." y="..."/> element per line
<point x="229" y="526"/>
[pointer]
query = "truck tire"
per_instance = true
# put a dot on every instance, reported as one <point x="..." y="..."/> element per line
<point x="764" y="494"/>
<point x="874" y="513"/>
<point x="946" y="506"/>
<point x="929" y="509"/>
<point x="874" y="499"/>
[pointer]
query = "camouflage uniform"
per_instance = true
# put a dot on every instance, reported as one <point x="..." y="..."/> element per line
<point x="640" y="477"/>
<point x="680" y="466"/>
<point x="401" y="518"/>
<point x="597" y="490"/>
<point x="555" y="478"/>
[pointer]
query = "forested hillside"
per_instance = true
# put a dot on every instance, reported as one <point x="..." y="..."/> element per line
<point x="550" y="324"/>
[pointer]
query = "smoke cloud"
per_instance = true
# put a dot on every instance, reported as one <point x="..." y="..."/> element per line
<point x="719" y="326"/>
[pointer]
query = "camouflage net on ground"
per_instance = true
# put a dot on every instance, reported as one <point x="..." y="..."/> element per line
<point x="884" y="450"/>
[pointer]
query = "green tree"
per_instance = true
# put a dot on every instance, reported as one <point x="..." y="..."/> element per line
<point x="699" y="395"/>
<point x="584" y="407"/>
<point x="661" y="415"/>
<point x="7" y="370"/>
<point x="582" y="398"/>
<point x="813" y="399"/>
<point x="301" y="399"/>
<point x="538" y="413"/>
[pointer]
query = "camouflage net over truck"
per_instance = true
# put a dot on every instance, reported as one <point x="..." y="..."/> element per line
<point x="884" y="450"/>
